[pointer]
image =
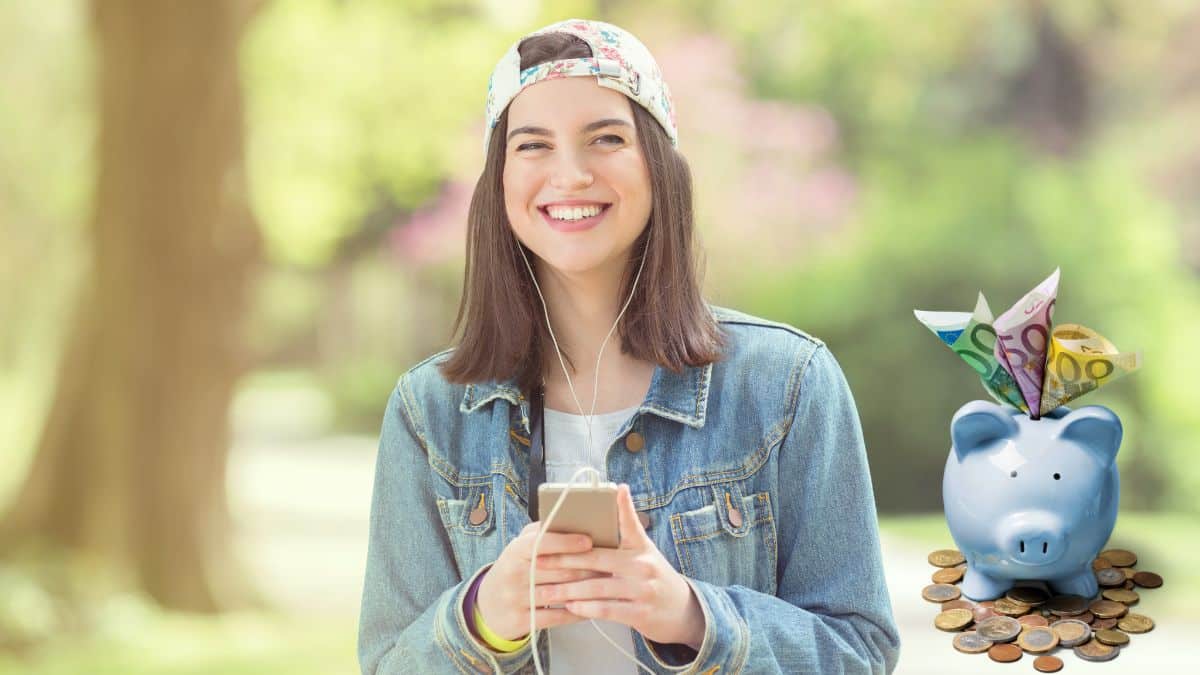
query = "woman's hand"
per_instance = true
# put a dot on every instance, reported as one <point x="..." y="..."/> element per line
<point x="504" y="592"/>
<point x="644" y="591"/>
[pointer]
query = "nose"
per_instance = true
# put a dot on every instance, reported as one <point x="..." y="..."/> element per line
<point x="1033" y="537"/>
<point x="571" y="172"/>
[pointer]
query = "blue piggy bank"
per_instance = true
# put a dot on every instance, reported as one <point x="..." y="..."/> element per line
<point x="1031" y="499"/>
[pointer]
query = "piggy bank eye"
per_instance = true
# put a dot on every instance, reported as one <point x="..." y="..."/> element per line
<point x="1013" y="474"/>
<point x="1057" y="476"/>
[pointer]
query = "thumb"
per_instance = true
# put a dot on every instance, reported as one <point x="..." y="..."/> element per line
<point x="632" y="532"/>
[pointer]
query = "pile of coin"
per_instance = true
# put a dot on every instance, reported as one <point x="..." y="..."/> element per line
<point x="1031" y="619"/>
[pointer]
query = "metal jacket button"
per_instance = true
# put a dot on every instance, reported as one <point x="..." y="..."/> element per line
<point x="735" y="516"/>
<point x="634" y="442"/>
<point x="479" y="513"/>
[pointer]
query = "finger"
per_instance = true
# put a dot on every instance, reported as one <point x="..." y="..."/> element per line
<point x="612" y="560"/>
<point x="590" y="589"/>
<point x="564" y="576"/>
<point x="632" y="532"/>
<point x="548" y="618"/>
<point x="555" y="542"/>
<point x="621" y="611"/>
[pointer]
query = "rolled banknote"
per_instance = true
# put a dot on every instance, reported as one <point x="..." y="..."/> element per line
<point x="1081" y="360"/>
<point x="1022" y="338"/>
<point x="971" y="336"/>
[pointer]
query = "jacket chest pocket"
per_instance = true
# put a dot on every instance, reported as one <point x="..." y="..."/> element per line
<point x="729" y="541"/>
<point x="483" y="522"/>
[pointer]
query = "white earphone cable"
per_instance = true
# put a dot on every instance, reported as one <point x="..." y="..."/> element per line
<point x="533" y="630"/>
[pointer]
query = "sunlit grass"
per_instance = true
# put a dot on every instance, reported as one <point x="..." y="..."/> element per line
<point x="180" y="644"/>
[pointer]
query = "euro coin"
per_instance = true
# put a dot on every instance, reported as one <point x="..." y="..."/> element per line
<point x="1101" y="624"/>
<point x="1085" y="616"/>
<point x="957" y="604"/>
<point x="1047" y="664"/>
<point x="948" y="575"/>
<point x="1027" y="595"/>
<point x="1119" y="557"/>
<point x="1094" y="650"/>
<point x="953" y="619"/>
<point x="1135" y="623"/>
<point x="982" y="613"/>
<point x="1071" y="632"/>
<point x="1110" y="576"/>
<point x="999" y="629"/>
<point x="1107" y="609"/>
<point x="1100" y="563"/>
<point x="1033" y="620"/>
<point x="946" y="557"/>
<point x="1037" y="640"/>
<point x="1112" y="637"/>
<point x="1147" y="579"/>
<point x="970" y="643"/>
<point x="1067" y="605"/>
<point x="1010" y="607"/>
<point x="940" y="593"/>
<point x="1120" y="595"/>
<point x="1004" y="653"/>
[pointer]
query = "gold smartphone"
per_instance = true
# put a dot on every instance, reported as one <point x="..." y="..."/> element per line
<point x="589" y="509"/>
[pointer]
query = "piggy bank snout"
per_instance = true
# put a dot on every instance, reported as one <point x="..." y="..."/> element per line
<point x="1033" y="538"/>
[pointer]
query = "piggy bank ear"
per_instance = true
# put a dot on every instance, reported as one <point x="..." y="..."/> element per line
<point x="1097" y="429"/>
<point x="979" y="424"/>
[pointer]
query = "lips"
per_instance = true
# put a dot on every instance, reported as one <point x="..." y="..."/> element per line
<point x="574" y="225"/>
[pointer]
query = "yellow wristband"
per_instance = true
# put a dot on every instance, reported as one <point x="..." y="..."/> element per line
<point x="495" y="641"/>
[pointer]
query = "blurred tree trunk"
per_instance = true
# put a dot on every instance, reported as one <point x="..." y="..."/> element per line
<point x="1050" y="99"/>
<point x="131" y="462"/>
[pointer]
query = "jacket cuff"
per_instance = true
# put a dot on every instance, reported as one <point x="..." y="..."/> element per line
<point x="464" y="648"/>
<point x="726" y="636"/>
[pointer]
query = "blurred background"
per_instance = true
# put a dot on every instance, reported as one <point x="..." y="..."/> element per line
<point x="226" y="227"/>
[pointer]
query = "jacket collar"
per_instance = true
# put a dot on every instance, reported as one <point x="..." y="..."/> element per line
<point x="682" y="397"/>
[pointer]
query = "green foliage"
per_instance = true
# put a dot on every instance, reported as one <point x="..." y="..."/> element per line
<point x="956" y="197"/>
<point x="942" y="221"/>
<point x="345" y="99"/>
<point x="349" y="103"/>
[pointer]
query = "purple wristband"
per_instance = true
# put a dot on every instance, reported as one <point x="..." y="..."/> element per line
<point x="469" y="606"/>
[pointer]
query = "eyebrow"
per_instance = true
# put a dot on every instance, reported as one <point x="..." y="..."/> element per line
<point x="590" y="126"/>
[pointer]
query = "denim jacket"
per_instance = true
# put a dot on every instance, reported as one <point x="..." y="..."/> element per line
<point x="793" y="582"/>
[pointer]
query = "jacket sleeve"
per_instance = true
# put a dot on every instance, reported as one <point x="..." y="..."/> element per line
<point x="412" y="603"/>
<point x="831" y="613"/>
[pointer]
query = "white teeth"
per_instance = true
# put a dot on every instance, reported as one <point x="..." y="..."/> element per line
<point x="573" y="213"/>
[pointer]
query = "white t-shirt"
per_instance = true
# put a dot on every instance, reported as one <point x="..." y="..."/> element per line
<point x="579" y="648"/>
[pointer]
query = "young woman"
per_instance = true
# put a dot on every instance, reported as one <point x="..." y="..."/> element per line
<point x="748" y="534"/>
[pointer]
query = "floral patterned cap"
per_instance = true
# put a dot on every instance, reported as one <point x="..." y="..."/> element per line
<point x="619" y="61"/>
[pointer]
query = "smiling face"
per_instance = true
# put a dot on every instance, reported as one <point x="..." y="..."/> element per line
<point x="557" y="152"/>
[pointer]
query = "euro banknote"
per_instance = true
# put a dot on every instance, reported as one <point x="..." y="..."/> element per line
<point x="971" y="336"/>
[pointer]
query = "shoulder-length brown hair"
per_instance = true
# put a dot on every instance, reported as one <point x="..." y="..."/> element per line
<point x="667" y="322"/>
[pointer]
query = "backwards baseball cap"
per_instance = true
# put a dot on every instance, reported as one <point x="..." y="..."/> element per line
<point x="619" y="61"/>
